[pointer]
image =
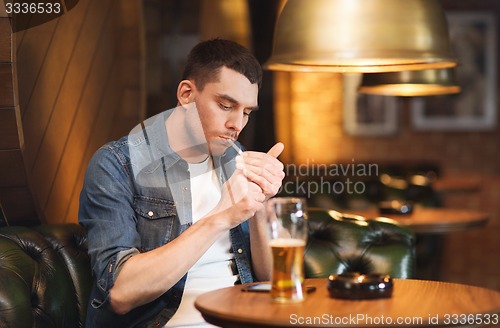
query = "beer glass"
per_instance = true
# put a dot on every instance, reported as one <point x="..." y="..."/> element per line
<point x="287" y="221"/>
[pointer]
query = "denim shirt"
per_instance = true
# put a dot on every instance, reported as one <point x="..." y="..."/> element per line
<point x="136" y="197"/>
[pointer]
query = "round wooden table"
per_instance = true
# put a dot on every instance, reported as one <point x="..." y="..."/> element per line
<point x="414" y="303"/>
<point x="432" y="220"/>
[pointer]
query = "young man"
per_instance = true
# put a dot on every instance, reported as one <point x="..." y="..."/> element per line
<point x="173" y="210"/>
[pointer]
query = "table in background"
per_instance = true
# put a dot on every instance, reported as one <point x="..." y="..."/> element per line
<point x="432" y="220"/>
<point x="428" y="301"/>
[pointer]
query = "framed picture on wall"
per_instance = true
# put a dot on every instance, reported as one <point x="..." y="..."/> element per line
<point x="473" y="38"/>
<point x="367" y="115"/>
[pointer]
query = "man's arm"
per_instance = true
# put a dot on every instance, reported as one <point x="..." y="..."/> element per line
<point x="146" y="276"/>
<point x="261" y="252"/>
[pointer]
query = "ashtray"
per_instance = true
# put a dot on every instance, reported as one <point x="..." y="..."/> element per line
<point x="395" y="207"/>
<point x="355" y="285"/>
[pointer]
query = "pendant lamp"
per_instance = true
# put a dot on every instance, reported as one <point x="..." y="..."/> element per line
<point x="411" y="83"/>
<point x="361" y="36"/>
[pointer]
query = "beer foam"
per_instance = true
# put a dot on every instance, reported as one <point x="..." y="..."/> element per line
<point x="287" y="242"/>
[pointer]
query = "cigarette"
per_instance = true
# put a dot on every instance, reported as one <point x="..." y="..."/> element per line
<point x="231" y="142"/>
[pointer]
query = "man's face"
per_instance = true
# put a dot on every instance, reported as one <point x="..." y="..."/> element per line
<point x="224" y="107"/>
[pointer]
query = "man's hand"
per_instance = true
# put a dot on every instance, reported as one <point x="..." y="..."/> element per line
<point x="263" y="169"/>
<point x="257" y="178"/>
<point x="240" y="199"/>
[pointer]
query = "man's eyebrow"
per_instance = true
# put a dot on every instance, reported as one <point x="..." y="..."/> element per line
<point x="235" y="102"/>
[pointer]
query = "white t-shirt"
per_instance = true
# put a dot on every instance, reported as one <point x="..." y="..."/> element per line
<point x="212" y="271"/>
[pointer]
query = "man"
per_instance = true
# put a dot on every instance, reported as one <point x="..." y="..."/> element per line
<point x="172" y="210"/>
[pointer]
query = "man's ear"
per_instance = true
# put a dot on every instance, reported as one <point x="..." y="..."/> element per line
<point x="185" y="92"/>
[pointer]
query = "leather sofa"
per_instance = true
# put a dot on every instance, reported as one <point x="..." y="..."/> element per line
<point x="45" y="273"/>
<point x="45" y="276"/>
<point x="339" y="243"/>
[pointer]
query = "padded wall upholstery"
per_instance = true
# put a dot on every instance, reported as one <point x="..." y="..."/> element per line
<point x="339" y="243"/>
<point x="44" y="276"/>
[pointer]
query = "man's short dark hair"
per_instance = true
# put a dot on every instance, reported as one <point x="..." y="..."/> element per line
<point x="206" y="59"/>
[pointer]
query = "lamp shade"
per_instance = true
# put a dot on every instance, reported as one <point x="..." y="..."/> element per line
<point x="411" y="83"/>
<point x="361" y="36"/>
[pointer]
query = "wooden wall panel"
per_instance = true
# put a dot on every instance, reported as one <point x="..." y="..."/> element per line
<point x="32" y="47"/>
<point x="3" y="13"/>
<point x="128" y="102"/>
<point x="56" y="143"/>
<point x="70" y="90"/>
<point x="5" y="40"/>
<point x="97" y="136"/>
<point x="43" y="100"/>
<point x="86" y="116"/>
<point x="16" y="200"/>
<point x="6" y="85"/>
<point x="9" y="137"/>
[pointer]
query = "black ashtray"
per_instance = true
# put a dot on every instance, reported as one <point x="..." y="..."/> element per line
<point x="395" y="207"/>
<point x="354" y="285"/>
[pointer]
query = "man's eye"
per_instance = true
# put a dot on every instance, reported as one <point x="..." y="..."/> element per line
<point x="247" y="113"/>
<point x="225" y="107"/>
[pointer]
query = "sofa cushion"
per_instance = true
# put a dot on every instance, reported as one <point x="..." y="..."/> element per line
<point x="45" y="276"/>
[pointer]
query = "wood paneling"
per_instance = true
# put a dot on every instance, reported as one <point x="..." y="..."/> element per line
<point x="51" y="109"/>
<point x="70" y="87"/>
<point x="9" y="137"/>
<point x="5" y="40"/>
<point x="85" y="119"/>
<point x="3" y="13"/>
<point x="99" y="131"/>
<point x="16" y="199"/>
<point x="6" y="85"/>
<point x="32" y="47"/>
<point x="65" y="131"/>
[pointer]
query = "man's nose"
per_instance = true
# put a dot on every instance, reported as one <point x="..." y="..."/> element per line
<point x="236" y="121"/>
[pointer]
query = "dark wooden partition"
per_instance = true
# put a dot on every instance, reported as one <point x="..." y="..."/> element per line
<point x="15" y="195"/>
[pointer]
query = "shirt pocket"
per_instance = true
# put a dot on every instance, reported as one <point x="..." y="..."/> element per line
<point x="154" y="208"/>
<point x="156" y="221"/>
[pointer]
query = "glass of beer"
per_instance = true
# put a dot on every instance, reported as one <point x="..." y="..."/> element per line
<point x="287" y="220"/>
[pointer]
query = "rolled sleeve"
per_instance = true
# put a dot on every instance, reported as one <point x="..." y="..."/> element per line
<point x="121" y="258"/>
<point x="106" y="212"/>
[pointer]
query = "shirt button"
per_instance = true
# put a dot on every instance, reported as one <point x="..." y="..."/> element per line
<point x="150" y="213"/>
<point x="240" y="251"/>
